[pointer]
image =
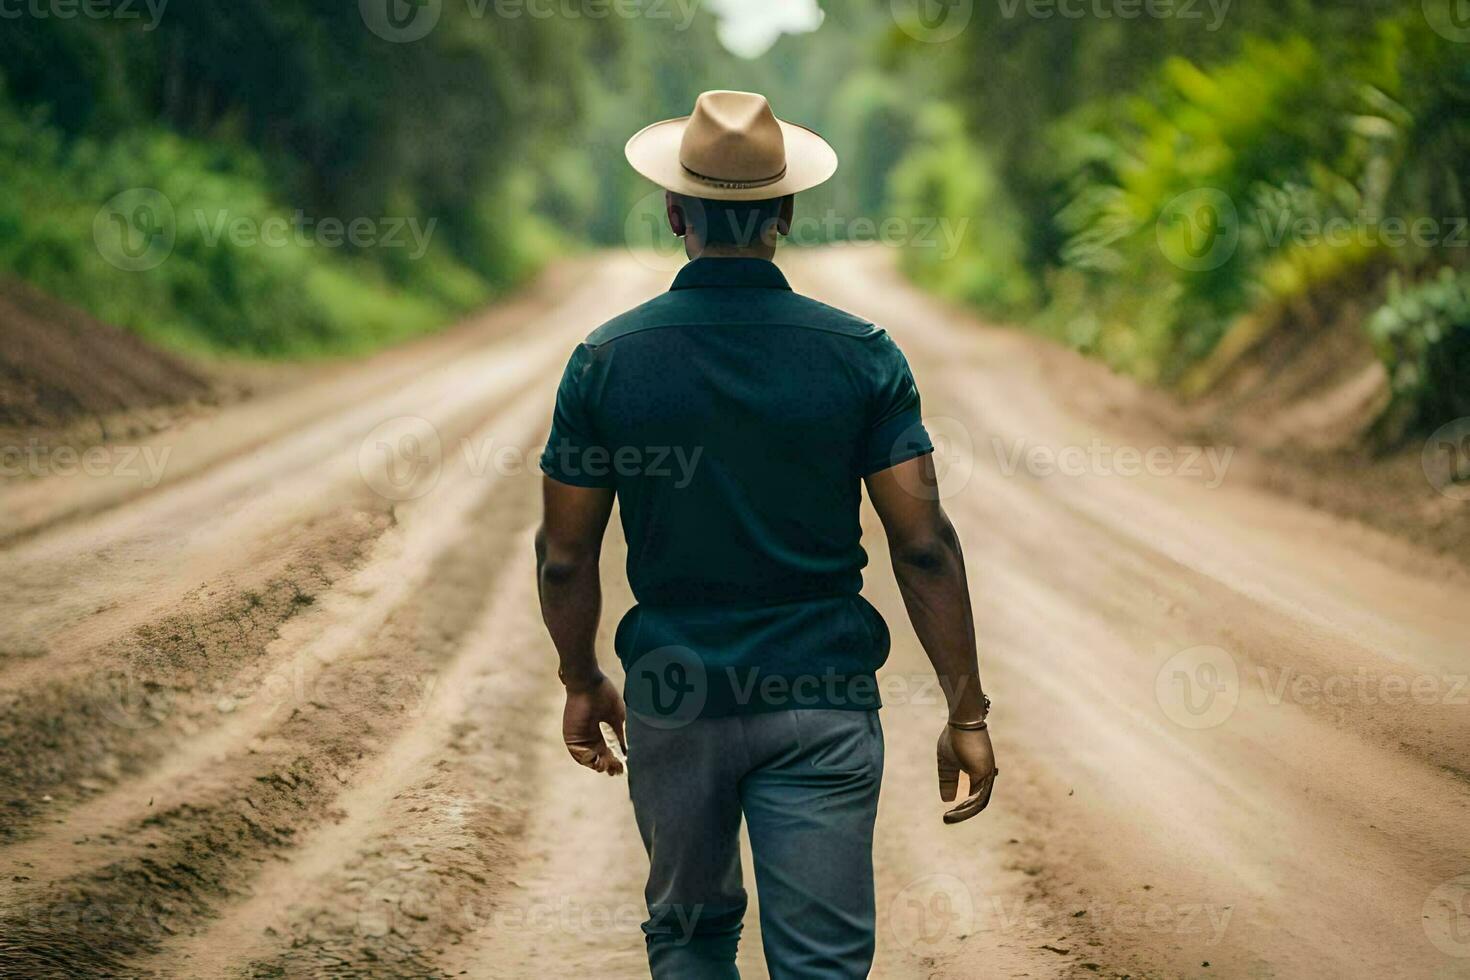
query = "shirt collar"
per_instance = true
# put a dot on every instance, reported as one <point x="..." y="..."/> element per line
<point x="734" y="272"/>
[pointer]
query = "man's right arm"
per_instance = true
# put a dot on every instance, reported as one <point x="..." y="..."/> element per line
<point x="930" y="568"/>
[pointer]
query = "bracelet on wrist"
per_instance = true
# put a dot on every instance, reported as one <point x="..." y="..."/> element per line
<point x="579" y="682"/>
<point x="975" y="726"/>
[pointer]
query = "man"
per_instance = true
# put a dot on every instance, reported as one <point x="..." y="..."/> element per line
<point x="736" y="422"/>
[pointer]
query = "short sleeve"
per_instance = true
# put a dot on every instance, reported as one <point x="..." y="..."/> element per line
<point x="573" y="453"/>
<point x="895" y="432"/>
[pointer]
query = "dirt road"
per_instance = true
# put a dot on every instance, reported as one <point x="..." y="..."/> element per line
<point x="283" y="705"/>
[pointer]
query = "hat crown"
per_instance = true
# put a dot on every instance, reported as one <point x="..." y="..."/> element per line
<point x="734" y="137"/>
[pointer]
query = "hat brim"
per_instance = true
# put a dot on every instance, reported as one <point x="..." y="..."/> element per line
<point x="654" y="152"/>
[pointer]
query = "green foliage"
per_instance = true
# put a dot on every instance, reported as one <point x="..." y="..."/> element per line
<point x="1289" y="168"/>
<point x="1168" y="178"/>
<point x="214" y="290"/>
<point x="1422" y="334"/>
<point x="947" y="178"/>
<point x="256" y="113"/>
<point x="1164" y="197"/>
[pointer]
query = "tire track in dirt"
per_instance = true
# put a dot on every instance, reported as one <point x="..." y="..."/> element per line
<point x="418" y="845"/>
<point x="238" y="804"/>
<point x="135" y="698"/>
<point x="403" y="562"/>
<point x="67" y="701"/>
<point x="166" y="849"/>
<point x="119" y="688"/>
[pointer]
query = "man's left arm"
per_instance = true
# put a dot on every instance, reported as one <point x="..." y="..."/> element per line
<point x="568" y="547"/>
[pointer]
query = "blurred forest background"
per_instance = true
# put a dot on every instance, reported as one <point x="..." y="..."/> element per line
<point x="1144" y="190"/>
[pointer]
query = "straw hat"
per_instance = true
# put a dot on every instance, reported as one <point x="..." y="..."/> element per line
<point x="732" y="148"/>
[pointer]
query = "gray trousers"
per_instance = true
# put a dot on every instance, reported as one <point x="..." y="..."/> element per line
<point x="806" y="782"/>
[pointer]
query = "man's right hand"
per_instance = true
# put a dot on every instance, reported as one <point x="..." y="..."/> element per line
<point x="971" y="753"/>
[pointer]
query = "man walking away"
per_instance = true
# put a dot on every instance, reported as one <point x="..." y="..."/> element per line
<point x="736" y="423"/>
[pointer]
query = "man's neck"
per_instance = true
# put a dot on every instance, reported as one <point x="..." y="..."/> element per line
<point x="732" y="252"/>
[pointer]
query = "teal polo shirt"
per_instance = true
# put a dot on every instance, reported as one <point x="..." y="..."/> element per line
<point x="736" y="419"/>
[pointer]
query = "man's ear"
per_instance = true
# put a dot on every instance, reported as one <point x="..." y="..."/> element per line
<point x="788" y="211"/>
<point x="675" y="209"/>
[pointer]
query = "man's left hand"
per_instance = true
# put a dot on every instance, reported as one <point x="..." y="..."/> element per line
<point x="587" y="709"/>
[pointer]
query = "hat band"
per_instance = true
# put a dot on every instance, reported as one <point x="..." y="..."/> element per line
<point x="733" y="185"/>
